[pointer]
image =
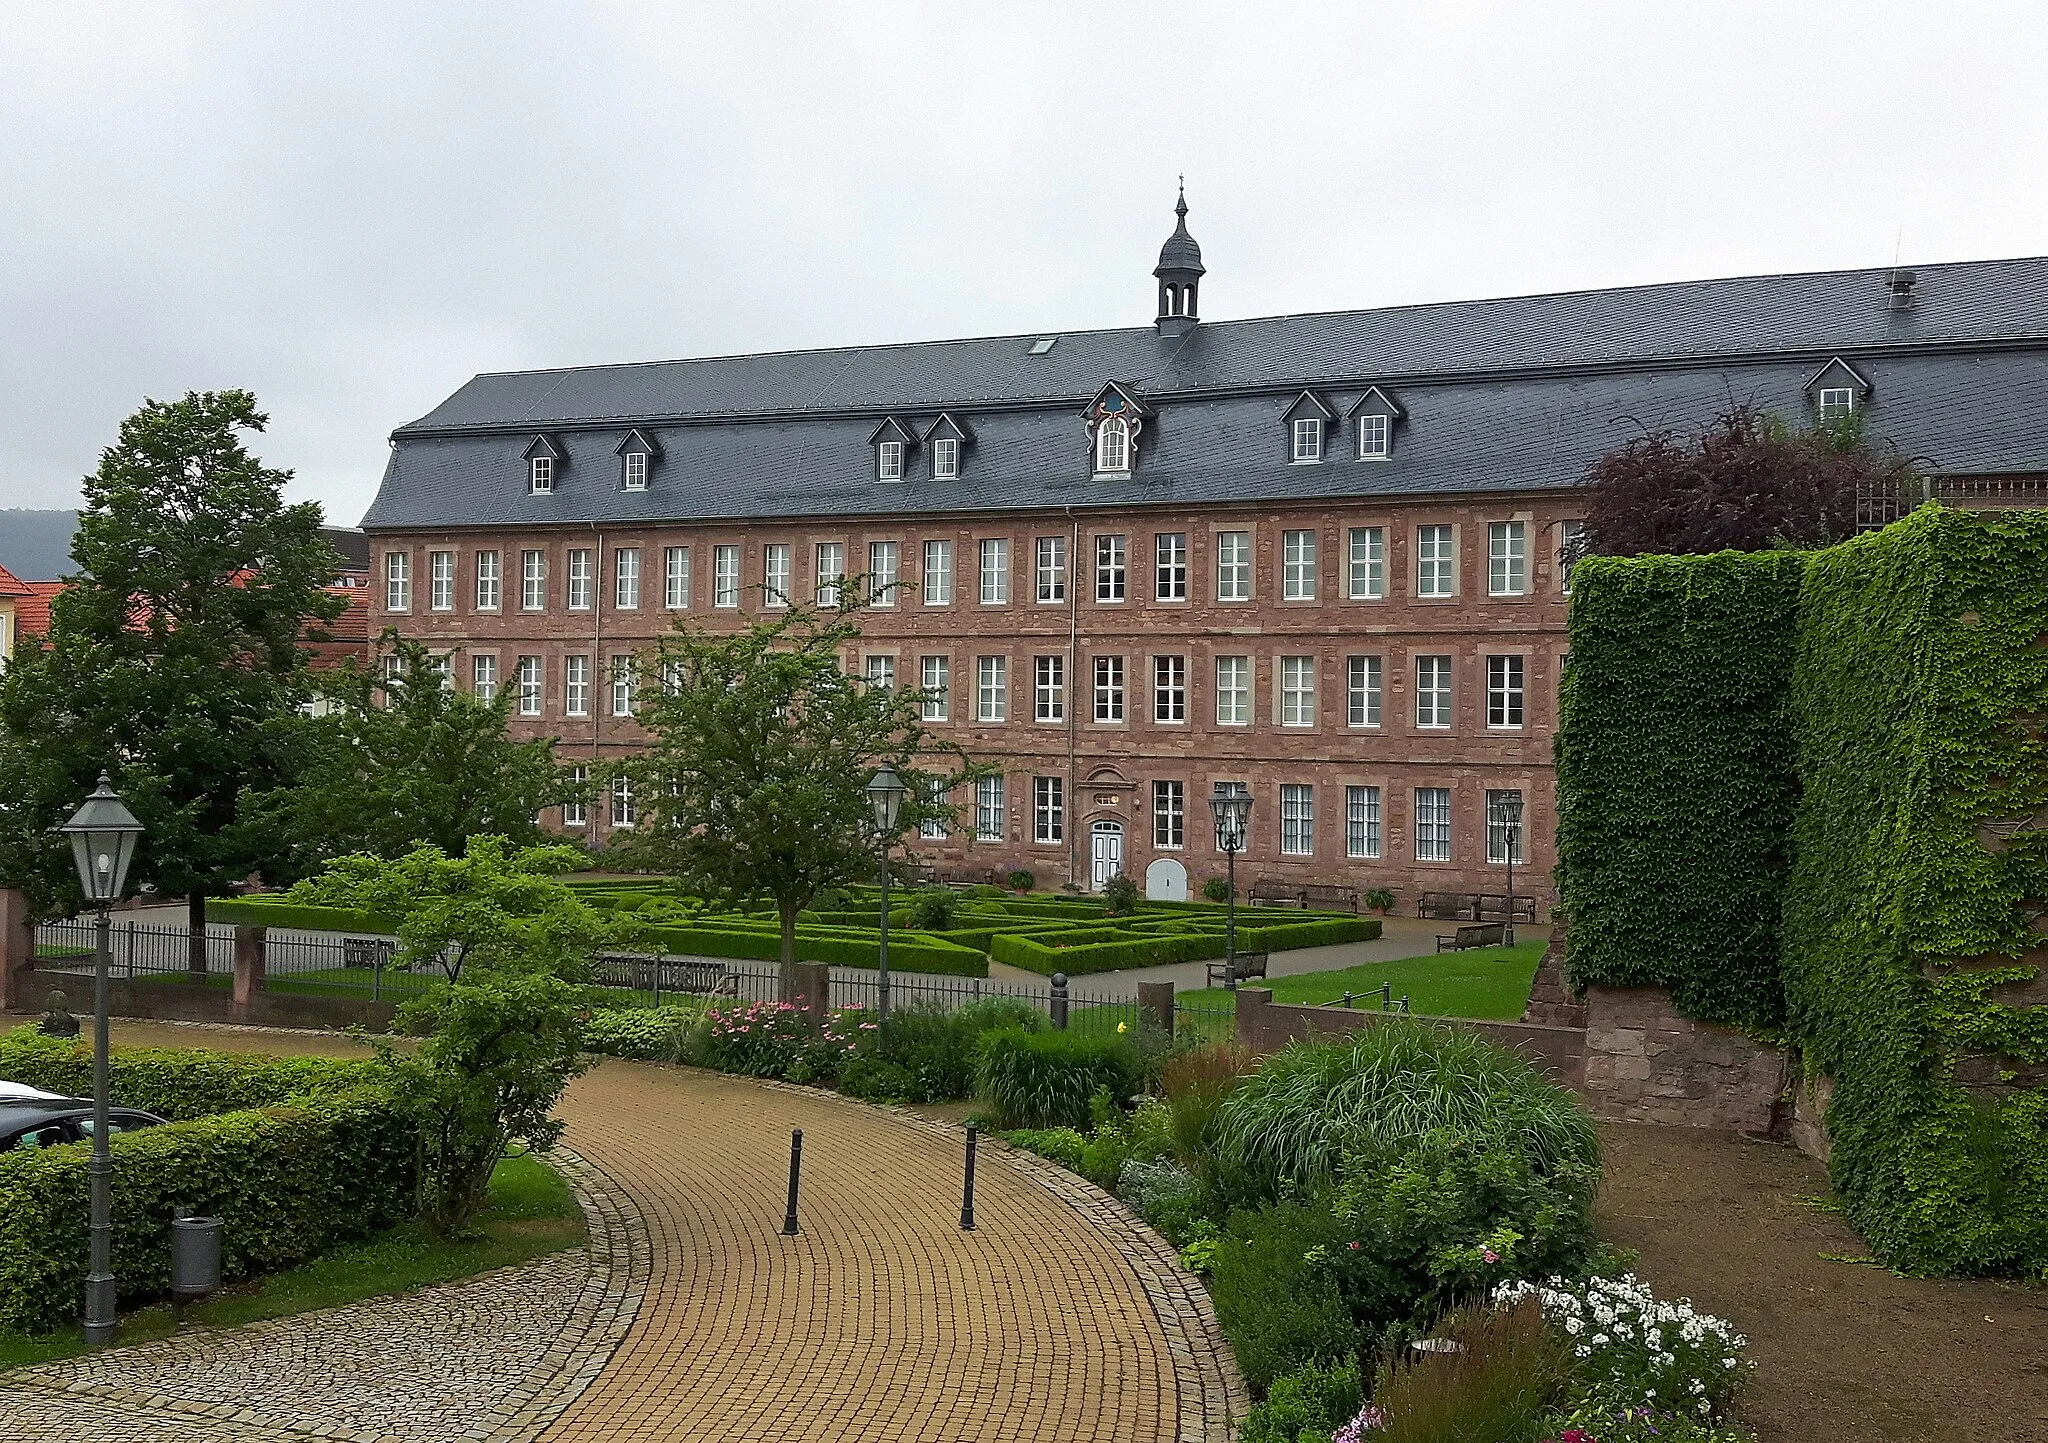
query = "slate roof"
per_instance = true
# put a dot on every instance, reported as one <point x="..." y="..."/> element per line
<point x="1512" y="394"/>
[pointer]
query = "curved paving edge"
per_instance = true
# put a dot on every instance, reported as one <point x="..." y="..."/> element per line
<point x="621" y="1257"/>
<point x="1212" y="1393"/>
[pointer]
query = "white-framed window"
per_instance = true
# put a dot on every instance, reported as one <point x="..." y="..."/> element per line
<point x="1432" y="691"/>
<point x="1365" y="572"/>
<point x="636" y="471"/>
<point x="1169" y="815"/>
<point x="937" y="578"/>
<point x="1233" y="691"/>
<point x="624" y="814"/>
<point x="1308" y="439"/>
<point x="444" y="668"/>
<point x="1504" y="841"/>
<point x="990" y="824"/>
<point x="533" y="580"/>
<point x="1366" y="678"/>
<point x="624" y="676"/>
<point x="576" y="685"/>
<point x="1050" y="687"/>
<point x="1109" y="688"/>
<point x="1170" y="566"/>
<point x="1297" y="819"/>
<point x="1233" y="566"/>
<point x="1109" y="568"/>
<point x="775" y="568"/>
<point x="483" y="677"/>
<point x="995" y="571"/>
<point x="883" y="560"/>
<point x="582" y="580"/>
<point x="626" y="578"/>
<point x="1297" y="691"/>
<point x="1298" y="566"/>
<point x="1836" y="401"/>
<point x="935" y="676"/>
<point x="1571" y="542"/>
<point x="1507" y="558"/>
<point x="1436" y="562"/>
<point x="487" y="581"/>
<point x="933" y="829"/>
<point x="889" y="461"/>
<point x="397" y="580"/>
<point x="1504" y="692"/>
<point x="675" y="571"/>
<point x="1170" y="689"/>
<point x="441" y="580"/>
<point x="1432" y="824"/>
<point x="529" y="685"/>
<point x="1373" y="436"/>
<point x="725" y="576"/>
<point x="946" y="459"/>
<point x="991" y="688"/>
<point x="671" y="676"/>
<point x="540" y="475"/>
<point x="879" y="671"/>
<point x="1048" y="809"/>
<point x="1052" y="568"/>
<point x="576" y="811"/>
<point x="1113" y="447"/>
<point x="1361" y="821"/>
<point x="831" y="572"/>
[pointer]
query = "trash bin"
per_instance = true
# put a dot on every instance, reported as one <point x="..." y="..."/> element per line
<point x="195" y="1257"/>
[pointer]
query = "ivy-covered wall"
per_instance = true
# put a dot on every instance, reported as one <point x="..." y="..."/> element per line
<point x="1913" y="913"/>
<point x="1676" y="777"/>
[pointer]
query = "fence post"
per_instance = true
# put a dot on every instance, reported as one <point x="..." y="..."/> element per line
<point x="1155" y="1003"/>
<point x="1057" y="1003"/>
<point x="250" y="956"/>
<point x="131" y="948"/>
<point x="17" y="947"/>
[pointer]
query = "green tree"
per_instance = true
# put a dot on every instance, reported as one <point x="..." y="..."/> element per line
<point x="406" y="760"/>
<point x="498" y="907"/>
<point x="170" y="650"/>
<point x="760" y="748"/>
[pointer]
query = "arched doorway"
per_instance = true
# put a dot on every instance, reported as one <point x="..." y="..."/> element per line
<point x="1105" y="853"/>
<point x="1166" y="880"/>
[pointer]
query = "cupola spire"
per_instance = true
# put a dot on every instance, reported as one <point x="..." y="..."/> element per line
<point x="1180" y="274"/>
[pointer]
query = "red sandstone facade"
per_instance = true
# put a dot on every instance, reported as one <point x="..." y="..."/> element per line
<point x="1366" y="775"/>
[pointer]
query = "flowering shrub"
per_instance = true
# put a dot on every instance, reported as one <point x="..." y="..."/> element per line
<point x="758" y="1039"/>
<point x="1632" y="1352"/>
<point x="823" y="1059"/>
<point x="651" y="1034"/>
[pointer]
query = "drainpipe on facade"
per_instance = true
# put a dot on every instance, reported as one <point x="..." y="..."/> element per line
<point x="1073" y="692"/>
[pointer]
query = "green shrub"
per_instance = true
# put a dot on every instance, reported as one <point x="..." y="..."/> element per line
<point x="934" y="908"/>
<point x="648" y="1034"/>
<point x="1045" y="1079"/>
<point x="934" y="1050"/>
<point x="1497" y="1386"/>
<point x="175" y="1082"/>
<point x="993" y="1014"/>
<point x="1021" y="880"/>
<point x="1120" y="896"/>
<point x="1291" y="1123"/>
<point x="1306" y="1405"/>
<point x="876" y="1079"/>
<point x="288" y="1182"/>
<point x="1217" y="889"/>
<point x="755" y="1039"/>
<point x="1195" y="1084"/>
<point x="1164" y="1194"/>
<point x="1063" y="1145"/>
<point x="1276" y="1293"/>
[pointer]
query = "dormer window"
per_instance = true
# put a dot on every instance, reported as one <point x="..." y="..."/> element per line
<point x="1373" y="436"/>
<point x="1115" y="418"/>
<point x="636" y="452"/>
<point x="1307" y="422"/>
<point x="1374" y="416"/>
<point x="945" y="459"/>
<point x="1836" y="401"/>
<point x="1113" y="447"/>
<point x="540" y="478"/>
<point x="892" y="442"/>
<point x="889" y="464"/>
<point x="1308" y="439"/>
<point x="1836" y="390"/>
<point x="947" y="439"/>
<point x="636" y="471"/>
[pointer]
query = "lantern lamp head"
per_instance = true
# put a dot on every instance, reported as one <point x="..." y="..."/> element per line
<point x="103" y="835"/>
<point x="1232" y="805"/>
<point x="885" y="794"/>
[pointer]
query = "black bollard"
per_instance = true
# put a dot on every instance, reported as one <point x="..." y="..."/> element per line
<point x="1386" y="996"/>
<point x="967" y="1190"/>
<point x="796" y="1162"/>
<point x="1056" y="1003"/>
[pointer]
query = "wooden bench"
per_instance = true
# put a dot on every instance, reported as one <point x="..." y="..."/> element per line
<point x="1270" y="893"/>
<point x="1474" y="907"/>
<point x="1479" y="934"/>
<point x="1334" y="898"/>
<point x="658" y="972"/>
<point x="367" y="952"/>
<point x="1249" y="964"/>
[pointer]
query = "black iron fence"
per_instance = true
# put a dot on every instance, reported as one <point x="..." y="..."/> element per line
<point x="138" y="949"/>
<point x="316" y="962"/>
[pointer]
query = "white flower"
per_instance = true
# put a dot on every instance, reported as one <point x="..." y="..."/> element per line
<point x="1574" y="1326"/>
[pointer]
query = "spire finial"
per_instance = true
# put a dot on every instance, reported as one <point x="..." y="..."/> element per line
<point x="1180" y="207"/>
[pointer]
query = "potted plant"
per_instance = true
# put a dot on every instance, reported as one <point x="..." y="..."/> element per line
<point x="1381" y="900"/>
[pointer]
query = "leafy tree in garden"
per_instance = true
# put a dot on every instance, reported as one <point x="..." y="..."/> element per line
<point x="1748" y="483"/>
<point x="754" y="783"/>
<point x="407" y="760"/>
<point x="169" y="651"/>
<point x="497" y="907"/>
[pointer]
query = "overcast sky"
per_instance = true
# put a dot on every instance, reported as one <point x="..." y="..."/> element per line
<point x="350" y="209"/>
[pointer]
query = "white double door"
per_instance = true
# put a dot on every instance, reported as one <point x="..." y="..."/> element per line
<point x="1105" y="853"/>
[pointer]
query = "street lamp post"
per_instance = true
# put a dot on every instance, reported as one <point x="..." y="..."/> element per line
<point x="885" y="794"/>
<point x="103" y="835"/>
<point x="1507" y="815"/>
<point x="1232" y="806"/>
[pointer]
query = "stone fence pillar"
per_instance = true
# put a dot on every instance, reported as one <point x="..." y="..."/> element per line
<point x="250" y="956"/>
<point x="1155" y="1004"/>
<point x="814" y="992"/>
<point x="1253" y="1030"/>
<point x="17" y="949"/>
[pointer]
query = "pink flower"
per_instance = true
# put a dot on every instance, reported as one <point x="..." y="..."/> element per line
<point x="1491" y="1256"/>
<point x="1356" y="1246"/>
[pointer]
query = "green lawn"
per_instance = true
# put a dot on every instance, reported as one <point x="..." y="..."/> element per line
<point x="531" y="1213"/>
<point x="1491" y="982"/>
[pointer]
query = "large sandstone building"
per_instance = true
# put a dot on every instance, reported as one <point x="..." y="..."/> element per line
<point x="1320" y="556"/>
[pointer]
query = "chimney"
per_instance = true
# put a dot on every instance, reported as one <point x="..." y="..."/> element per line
<point x="1900" y="284"/>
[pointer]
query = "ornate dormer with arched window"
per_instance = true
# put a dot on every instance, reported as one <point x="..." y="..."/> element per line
<point x="1115" y="419"/>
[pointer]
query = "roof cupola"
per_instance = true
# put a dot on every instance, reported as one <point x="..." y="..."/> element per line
<point x="1180" y="274"/>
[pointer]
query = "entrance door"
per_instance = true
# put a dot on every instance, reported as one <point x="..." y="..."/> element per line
<point x="1166" y="880"/>
<point x="1105" y="853"/>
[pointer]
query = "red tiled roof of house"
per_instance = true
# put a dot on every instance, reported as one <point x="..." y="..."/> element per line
<point x="32" y="609"/>
<point x="12" y="585"/>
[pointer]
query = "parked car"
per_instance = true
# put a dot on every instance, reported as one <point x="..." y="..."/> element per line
<point x="49" y="1121"/>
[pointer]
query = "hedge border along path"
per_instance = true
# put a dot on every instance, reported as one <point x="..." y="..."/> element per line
<point x="206" y="1380"/>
